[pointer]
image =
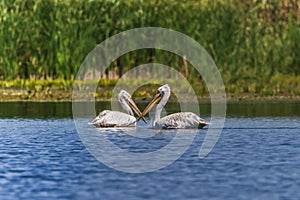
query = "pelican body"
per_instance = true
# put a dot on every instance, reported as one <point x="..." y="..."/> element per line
<point x="108" y="118"/>
<point x="181" y="120"/>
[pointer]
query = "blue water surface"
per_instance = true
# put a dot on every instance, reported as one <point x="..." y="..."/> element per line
<point x="255" y="158"/>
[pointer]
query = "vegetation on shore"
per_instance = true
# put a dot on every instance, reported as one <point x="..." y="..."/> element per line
<point x="280" y="88"/>
<point x="255" y="44"/>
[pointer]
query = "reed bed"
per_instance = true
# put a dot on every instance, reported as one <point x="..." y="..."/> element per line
<point x="256" y="42"/>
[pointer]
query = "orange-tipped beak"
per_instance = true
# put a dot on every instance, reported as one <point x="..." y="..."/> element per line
<point x="155" y="99"/>
<point x="136" y="110"/>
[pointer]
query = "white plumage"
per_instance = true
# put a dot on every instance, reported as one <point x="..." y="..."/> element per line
<point x="108" y="118"/>
<point x="182" y="120"/>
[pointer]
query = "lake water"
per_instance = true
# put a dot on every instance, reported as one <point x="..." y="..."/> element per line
<point x="256" y="157"/>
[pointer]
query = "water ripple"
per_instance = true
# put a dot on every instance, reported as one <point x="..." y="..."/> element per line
<point x="254" y="158"/>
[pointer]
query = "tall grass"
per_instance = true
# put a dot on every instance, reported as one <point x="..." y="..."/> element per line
<point x="249" y="40"/>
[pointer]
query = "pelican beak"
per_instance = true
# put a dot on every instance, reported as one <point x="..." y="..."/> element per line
<point x="136" y="110"/>
<point x="155" y="99"/>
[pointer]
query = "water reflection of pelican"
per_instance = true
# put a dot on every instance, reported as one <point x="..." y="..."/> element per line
<point x="181" y="120"/>
<point x="108" y="118"/>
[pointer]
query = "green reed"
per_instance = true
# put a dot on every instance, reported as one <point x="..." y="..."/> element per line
<point x="249" y="41"/>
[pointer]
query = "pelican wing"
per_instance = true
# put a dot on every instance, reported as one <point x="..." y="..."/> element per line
<point x="182" y="120"/>
<point x="109" y="118"/>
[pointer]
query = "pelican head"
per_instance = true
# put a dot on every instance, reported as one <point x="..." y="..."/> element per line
<point x="128" y="104"/>
<point x="162" y="95"/>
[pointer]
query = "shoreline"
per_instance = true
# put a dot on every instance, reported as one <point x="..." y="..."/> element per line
<point x="21" y="95"/>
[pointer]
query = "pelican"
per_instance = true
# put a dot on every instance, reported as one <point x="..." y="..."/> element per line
<point x="181" y="120"/>
<point x="108" y="118"/>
